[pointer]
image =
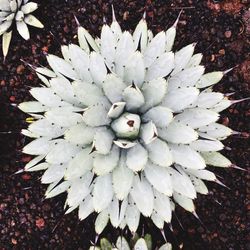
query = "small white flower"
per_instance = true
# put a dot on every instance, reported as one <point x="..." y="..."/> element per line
<point x="126" y="126"/>
<point x="16" y="11"/>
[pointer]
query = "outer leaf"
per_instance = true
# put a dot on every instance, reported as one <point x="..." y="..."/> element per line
<point x="216" y="159"/>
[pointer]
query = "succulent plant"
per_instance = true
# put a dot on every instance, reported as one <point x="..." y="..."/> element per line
<point x="137" y="244"/>
<point x="17" y="11"/>
<point x="126" y="127"/>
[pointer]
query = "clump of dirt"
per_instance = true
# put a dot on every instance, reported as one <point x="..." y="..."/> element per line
<point x="229" y="6"/>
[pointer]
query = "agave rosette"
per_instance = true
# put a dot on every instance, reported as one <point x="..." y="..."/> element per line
<point x="126" y="126"/>
<point x="19" y="12"/>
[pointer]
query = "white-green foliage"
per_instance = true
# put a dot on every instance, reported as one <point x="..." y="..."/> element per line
<point x="136" y="244"/>
<point x="19" y="12"/>
<point x="126" y="126"/>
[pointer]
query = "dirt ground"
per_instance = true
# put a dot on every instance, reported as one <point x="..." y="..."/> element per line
<point x="222" y="31"/>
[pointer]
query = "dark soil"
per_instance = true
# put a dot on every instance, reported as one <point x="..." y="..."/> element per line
<point x="221" y="28"/>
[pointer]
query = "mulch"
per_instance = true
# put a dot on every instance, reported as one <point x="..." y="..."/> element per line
<point x="221" y="30"/>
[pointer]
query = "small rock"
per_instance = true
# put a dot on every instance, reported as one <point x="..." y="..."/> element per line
<point x="40" y="223"/>
<point x="228" y="33"/>
<point x="20" y="69"/>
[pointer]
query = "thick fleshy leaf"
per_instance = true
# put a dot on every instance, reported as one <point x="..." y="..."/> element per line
<point x="162" y="206"/>
<point x="132" y="215"/>
<point x="160" y="115"/>
<point x="133" y="97"/>
<point x="209" y="79"/>
<point x="4" y="26"/>
<point x="96" y="115"/>
<point x="176" y="132"/>
<point x="140" y="35"/>
<point x="61" y="152"/>
<point x="202" y="174"/>
<point x="34" y="161"/>
<point x="195" y="60"/>
<point x="157" y="220"/>
<point x="197" y="117"/>
<point x="79" y="189"/>
<point x="79" y="165"/>
<point x="23" y="30"/>
<point x="63" y="117"/>
<point x="113" y="88"/>
<point x="170" y="37"/>
<point x="29" y="7"/>
<point x="199" y="185"/>
<point x="33" y="21"/>
<point x="61" y="188"/>
<point x="155" y="48"/>
<point x="122" y="244"/>
<point x="103" y="192"/>
<point x="32" y="107"/>
<point x="134" y="71"/>
<point x="185" y="94"/>
<point x="98" y="68"/>
<point x="181" y="183"/>
<point x="184" y="202"/>
<point x="122" y="178"/>
<point x="117" y="211"/>
<point x="125" y="143"/>
<point x="142" y="195"/>
<point x="61" y="66"/>
<point x="53" y="173"/>
<point x="80" y="134"/>
<point x="159" y="178"/>
<point x="46" y="72"/>
<point x="162" y="66"/>
<point x="153" y="92"/>
<point x="216" y="159"/>
<point x="103" y="140"/>
<point x="40" y="146"/>
<point x="182" y="58"/>
<point x="6" y="42"/>
<point x="215" y="131"/>
<point x="5" y="5"/>
<point x="104" y="164"/>
<point x="207" y="145"/>
<point x="187" y="157"/>
<point x="101" y="221"/>
<point x="137" y="157"/>
<point x="80" y="62"/>
<point x="85" y="208"/>
<point x="158" y="152"/>
<point x="148" y="132"/>
<point x="116" y="109"/>
<point x="141" y="244"/>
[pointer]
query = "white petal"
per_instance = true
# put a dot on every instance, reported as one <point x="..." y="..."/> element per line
<point x="132" y="216"/>
<point x="61" y="152"/>
<point x="207" y="145"/>
<point x="185" y="94"/>
<point x="102" y="193"/>
<point x="148" y="132"/>
<point x="61" y="66"/>
<point x="122" y="179"/>
<point x="97" y="68"/>
<point x="143" y="196"/>
<point x="162" y="206"/>
<point x="79" y="165"/>
<point x="53" y="173"/>
<point x="33" y="21"/>
<point x="197" y="117"/>
<point x="181" y="183"/>
<point x="133" y="97"/>
<point x="184" y="202"/>
<point x="80" y="62"/>
<point x="159" y="178"/>
<point x="182" y="58"/>
<point x="161" y="67"/>
<point x="103" y="140"/>
<point x="85" y="208"/>
<point x="209" y="79"/>
<point x="134" y="71"/>
<point x="159" y="153"/>
<point x="153" y="92"/>
<point x="187" y="157"/>
<point x="40" y="146"/>
<point x="104" y="164"/>
<point x="216" y="159"/>
<point x="155" y="48"/>
<point x="101" y="221"/>
<point x="137" y="157"/>
<point x="113" y="88"/>
<point x="116" y="109"/>
<point x="96" y="115"/>
<point x="177" y="132"/>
